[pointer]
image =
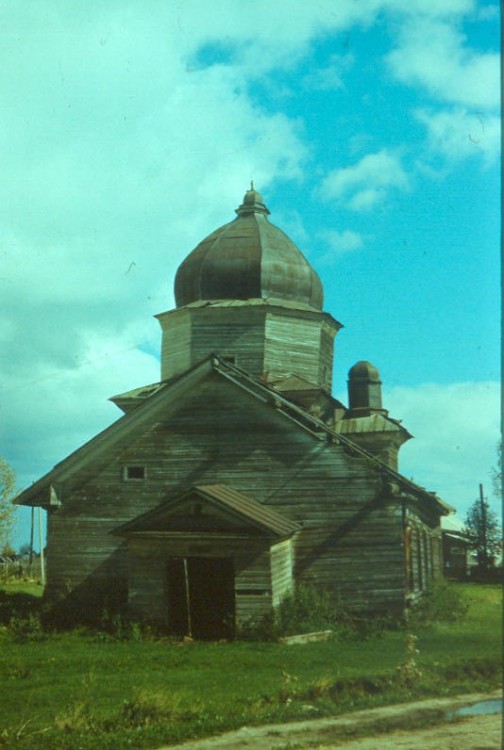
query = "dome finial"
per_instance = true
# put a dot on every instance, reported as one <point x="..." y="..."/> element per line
<point x="252" y="202"/>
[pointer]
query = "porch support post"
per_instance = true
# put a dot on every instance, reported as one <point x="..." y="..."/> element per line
<point x="42" y="560"/>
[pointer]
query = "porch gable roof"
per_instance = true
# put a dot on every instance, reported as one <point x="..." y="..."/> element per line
<point x="225" y="503"/>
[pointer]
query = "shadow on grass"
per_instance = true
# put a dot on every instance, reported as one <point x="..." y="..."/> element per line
<point x="17" y="604"/>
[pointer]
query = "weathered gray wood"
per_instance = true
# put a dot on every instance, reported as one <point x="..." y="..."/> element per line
<point x="351" y="541"/>
<point x="261" y="339"/>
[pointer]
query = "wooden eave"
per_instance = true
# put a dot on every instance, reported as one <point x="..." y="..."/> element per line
<point x="271" y="303"/>
<point x="131" y="399"/>
<point x="47" y="496"/>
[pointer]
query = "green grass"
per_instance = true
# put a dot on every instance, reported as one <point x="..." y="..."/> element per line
<point x="33" y="588"/>
<point x="84" y="690"/>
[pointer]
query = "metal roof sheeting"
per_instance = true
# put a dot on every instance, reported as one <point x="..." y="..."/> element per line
<point x="251" y="509"/>
<point x="248" y="258"/>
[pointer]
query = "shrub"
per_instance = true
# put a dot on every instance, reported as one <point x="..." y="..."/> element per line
<point x="27" y="629"/>
<point x="310" y="610"/>
<point x="117" y="627"/>
<point x="304" y="611"/>
<point x="441" y="603"/>
<point x="257" y="629"/>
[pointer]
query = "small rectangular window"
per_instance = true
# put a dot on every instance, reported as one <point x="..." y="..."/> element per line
<point x="134" y="472"/>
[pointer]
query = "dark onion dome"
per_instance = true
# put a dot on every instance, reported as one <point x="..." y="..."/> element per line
<point x="365" y="371"/>
<point x="249" y="258"/>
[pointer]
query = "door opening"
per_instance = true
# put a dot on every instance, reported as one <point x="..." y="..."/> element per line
<point x="201" y="597"/>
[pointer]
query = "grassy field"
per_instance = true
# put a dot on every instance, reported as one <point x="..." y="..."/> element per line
<point x="86" y="690"/>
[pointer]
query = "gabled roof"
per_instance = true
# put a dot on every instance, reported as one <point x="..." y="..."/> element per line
<point x="234" y="504"/>
<point x="168" y="395"/>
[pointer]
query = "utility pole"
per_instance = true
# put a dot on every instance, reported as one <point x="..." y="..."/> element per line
<point x="484" y="540"/>
<point x="30" y="564"/>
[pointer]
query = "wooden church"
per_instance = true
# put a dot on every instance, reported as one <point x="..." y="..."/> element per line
<point x="238" y="476"/>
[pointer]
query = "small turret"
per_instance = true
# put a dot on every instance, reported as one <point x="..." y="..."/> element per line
<point x="364" y="390"/>
<point x="366" y="422"/>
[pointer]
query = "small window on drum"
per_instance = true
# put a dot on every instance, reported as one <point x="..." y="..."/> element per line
<point x="134" y="473"/>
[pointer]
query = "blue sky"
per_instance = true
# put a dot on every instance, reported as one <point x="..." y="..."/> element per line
<point x="130" y="130"/>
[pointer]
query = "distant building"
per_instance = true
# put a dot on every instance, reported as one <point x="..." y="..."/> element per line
<point x="457" y="556"/>
<point x="238" y="476"/>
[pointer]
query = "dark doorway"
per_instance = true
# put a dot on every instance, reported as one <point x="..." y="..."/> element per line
<point x="201" y="597"/>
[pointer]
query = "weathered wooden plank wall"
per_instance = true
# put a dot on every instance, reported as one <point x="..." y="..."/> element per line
<point x="262" y="339"/>
<point x="352" y="536"/>
<point x="282" y="568"/>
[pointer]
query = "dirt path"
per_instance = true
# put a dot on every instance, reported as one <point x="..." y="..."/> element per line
<point x="476" y="733"/>
<point x="376" y="729"/>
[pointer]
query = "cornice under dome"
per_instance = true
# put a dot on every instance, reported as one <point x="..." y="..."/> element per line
<point x="248" y="258"/>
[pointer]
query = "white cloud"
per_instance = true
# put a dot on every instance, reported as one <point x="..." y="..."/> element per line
<point x="367" y="183"/>
<point x="462" y="82"/>
<point x="339" y="243"/>
<point x="456" y="429"/>
<point x="434" y="55"/>
<point x="458" y="134"/>
<point x="53" y="410"/>
<point x="101" y="221"/>
<point x="431" y="8"/>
